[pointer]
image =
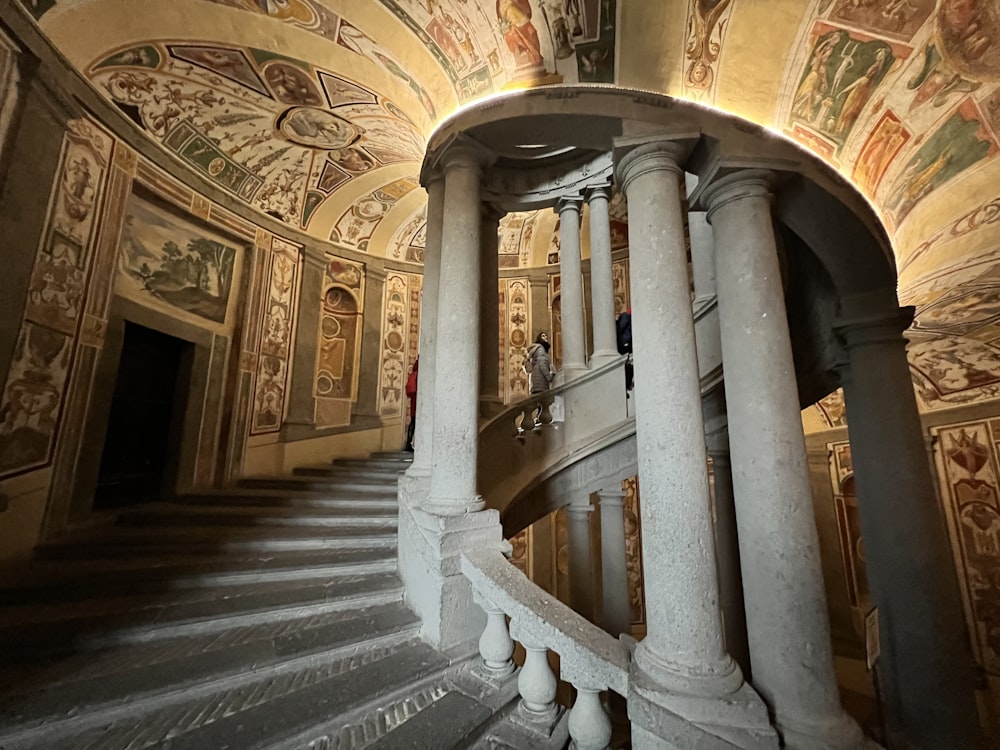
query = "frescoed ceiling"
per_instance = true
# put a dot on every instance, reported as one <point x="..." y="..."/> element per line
<point x="316" y="112"/>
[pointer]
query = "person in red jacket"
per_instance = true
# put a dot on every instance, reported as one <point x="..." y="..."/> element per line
<point x="411" y="393"/>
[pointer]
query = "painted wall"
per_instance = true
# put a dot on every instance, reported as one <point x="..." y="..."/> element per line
<point x="965" y="449"/>
<point x="115" y="239"/>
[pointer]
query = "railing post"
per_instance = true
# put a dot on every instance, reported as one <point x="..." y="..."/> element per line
<point x="589" y="725"/>
<point x="495" y="644"/>
<point x="537" y="684"/>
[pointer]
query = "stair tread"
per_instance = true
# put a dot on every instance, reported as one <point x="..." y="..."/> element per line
<point x="294" y="481"/>
<point x="276" y="637"/>
<point x="207" y="546"/>
<point x="216" y="684"/>
<point x="154" y="606"/>
<point x="292" y="712"/>
<point x="458" y="712"/>
<point x="47" y="576"/>
<point x="191" y="510"/>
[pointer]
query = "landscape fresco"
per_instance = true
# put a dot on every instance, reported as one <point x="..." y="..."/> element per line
<point x="165" y="260"/>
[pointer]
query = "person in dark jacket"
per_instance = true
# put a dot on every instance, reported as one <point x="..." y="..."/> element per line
<point x="542" y="373"/>
<point x="623" y="329"/>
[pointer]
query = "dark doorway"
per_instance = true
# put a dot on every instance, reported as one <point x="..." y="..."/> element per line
<point x="139" y="461"/>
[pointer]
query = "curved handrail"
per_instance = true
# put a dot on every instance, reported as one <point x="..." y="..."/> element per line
<point x="587" y="653"/>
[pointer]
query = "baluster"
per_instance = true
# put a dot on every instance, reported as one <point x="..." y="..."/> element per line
<point x="589" y="725"/>
<point x="536" y="683"/>
<point x="495" y="644"/>
<point x="545" y="410"/>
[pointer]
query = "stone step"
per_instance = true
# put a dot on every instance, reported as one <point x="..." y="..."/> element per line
<point x="405" y="456"/>
<point x="394" y="464"/>
<point x="348" y="473"/>
<point x="429" y="715"/>
<point x="276" y="497"/>
<point x="341" y="486"/>
<point x="94" y="624"/>
<point x="184" y="514"/>
<point x="160" y="606"/>
<point x="151" y="697"/>
<point x="59" y="580"/>
<point x="127" y="542"/>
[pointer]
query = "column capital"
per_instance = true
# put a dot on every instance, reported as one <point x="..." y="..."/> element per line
<point x="462" y="156"/>
<point x="875" y="328"/>
<point x="653" y="156"/>
<point x="578" y="509"/>
<point x="434" y="174"/>
<point x="745" y="183"/>
<point x="611" y="493"/>
<point x="603" y="190"/>
<point x="568" y="203"/>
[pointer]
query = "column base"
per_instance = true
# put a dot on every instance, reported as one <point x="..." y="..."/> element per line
<point x="430" y="548"/>
<point x="414" y="486"/>
<point x="674" y="720"/>
<point x="439" y="506"/>
<point x="839" y="733"/>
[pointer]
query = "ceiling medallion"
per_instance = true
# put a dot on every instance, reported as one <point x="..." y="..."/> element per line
<point x="316" y="128"/>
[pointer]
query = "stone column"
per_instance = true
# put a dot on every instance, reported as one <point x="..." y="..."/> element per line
<point x="571" y="287"/>
<point x="301" y="394"/>
<point x="420" y="469"/>
<point x="683" y="652"/>
<point x="602" y="287"/>
<point x="926" y="666"/>
<point x="702" y="250"/>
<point x="490" y="402"/>
<point x="727" y="549"/>
<point x="614" y="565"/>
<point x="581" y="561"/>
<point x="541" y="319"/>
<point x="787" y="622"/>
<point x="456" y="379"/>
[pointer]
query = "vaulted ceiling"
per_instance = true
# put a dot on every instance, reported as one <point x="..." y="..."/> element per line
<point x="316" y="113"/>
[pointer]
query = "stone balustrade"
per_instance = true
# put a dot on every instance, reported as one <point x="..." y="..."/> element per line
<point x="589" y="659"/>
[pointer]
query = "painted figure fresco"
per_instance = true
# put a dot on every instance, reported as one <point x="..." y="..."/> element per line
<point x="968" y="31"/>
<point x="276" y="338"/>
<point x="958" y="144"/>
<point x="899" y="19"/>
<point x="393" y="369"/>
<point x="316" y="128"/>
<point x="842" y="71"/>
<point x="519" y="33"/>
<point x="633" y="551"/>
<point x="706" y="25"/>
<point x="305" y="14"/>
<point x="968" y="462"/>
<point x="356" y="226"/>
<point x="950" y="372"/>
<point x="883" y="143"/>
<point x="515" y="311"/>
<point x="163" y="259"/>
<point x="595" y="60"/>
<point x="32" y="396"/>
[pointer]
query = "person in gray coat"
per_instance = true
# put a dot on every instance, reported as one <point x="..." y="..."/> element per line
<point x="542" y="373"/>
